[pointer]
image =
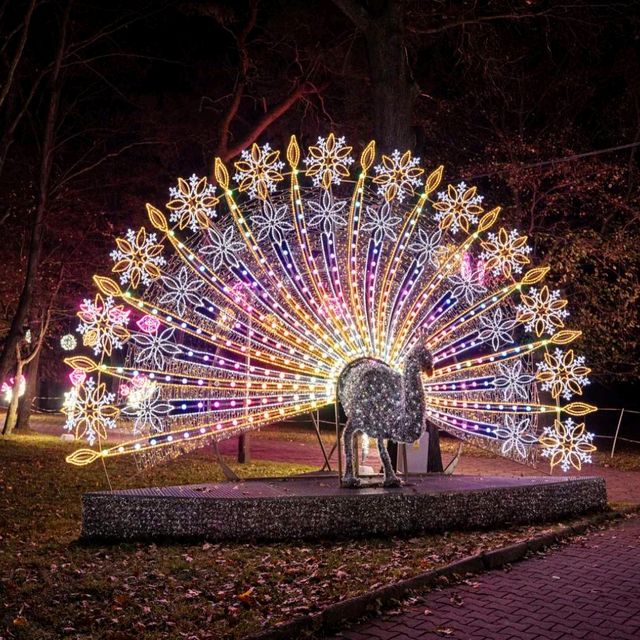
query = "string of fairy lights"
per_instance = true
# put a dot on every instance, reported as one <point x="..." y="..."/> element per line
<point x="249" y="296"/>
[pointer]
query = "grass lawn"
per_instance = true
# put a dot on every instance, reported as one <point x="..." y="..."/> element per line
<point x="53" y="587"/>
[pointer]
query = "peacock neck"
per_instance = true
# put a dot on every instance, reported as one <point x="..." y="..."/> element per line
<point x="415" y="407"/>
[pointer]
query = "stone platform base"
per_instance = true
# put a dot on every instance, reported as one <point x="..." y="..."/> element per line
<point x="314" y="506"/>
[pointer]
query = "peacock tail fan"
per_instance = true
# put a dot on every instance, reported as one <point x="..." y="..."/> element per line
<point x="247" y="299"/>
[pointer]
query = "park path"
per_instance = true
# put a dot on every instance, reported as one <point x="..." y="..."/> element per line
<point x="588" y="589"/>
<point x="622" y="486"/>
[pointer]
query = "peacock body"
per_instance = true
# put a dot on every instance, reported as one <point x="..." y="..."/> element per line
<point x="252" y="296"/>
<point x="383" y="404"/>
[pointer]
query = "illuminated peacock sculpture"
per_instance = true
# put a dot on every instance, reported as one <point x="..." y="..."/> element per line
<point x="252" y="297"/>
<point x="384" y="404"/>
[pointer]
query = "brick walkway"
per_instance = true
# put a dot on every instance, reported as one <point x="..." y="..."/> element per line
<point x="587" y="590"/>
<point x="622" y="486"/>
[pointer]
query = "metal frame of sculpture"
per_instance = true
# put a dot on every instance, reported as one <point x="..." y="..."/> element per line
<point x="254" y="296"/>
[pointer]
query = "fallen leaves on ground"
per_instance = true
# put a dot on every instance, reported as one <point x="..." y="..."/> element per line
<point x="444" y="631"/>
<point x="54" y="587"/>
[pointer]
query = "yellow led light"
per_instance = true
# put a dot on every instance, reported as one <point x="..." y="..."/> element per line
<point x="261" y="290"/>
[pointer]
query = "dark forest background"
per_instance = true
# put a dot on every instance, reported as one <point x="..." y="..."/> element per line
<point x="104" y="104"/>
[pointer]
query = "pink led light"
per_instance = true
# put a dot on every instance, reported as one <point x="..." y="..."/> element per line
<point x="466" y="267"/>
<point x="77" y="377"/>
<point x="481" y="271"/>
<point x="138" y="382"/>
<point x="87" y="313"/>
<point x="119" y="316"/>
<point x="149" y="324"/>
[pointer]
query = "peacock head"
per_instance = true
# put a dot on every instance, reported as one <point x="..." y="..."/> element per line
<point x="422" y="357"/>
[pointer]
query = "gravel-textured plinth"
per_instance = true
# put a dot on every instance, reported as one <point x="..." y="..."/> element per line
<point x="316" y="507"/>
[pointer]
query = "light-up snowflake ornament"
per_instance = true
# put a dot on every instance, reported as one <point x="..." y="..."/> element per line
<point x="458" y="207"/>
<point x="137" y="258"/>
<point x="328" y="161"/>
<point x="513" y="380"/>
<point x="156" y="348"/>
<point x="272" y="223"/>
<point x="517" y="436"/>
<point x="223" y="248"/>
<point x="103" y="325"/>
<point x="563" y="374"/>
<point x="567" y="444"/>
<point x="259" y="171"/>
<point x="496" y="327"/>
<point x="327" y="213"/>
<point x="261" y="307"/>
<point x="426" y="247"/>
<point x="147" y="408"/>
<point x="181" y="290"/>
<point x="381" y="222"/>
<point x="398" y="175"/>
<point x="467" y="285"/>
<point x="68" y="342"/>
<point x="505" y="253"/>
<point x="542" y="310"/>
<point x="192" y="203"/>
<point x="90" y="411"/>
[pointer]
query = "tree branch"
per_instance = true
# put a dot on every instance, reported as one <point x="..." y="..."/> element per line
<point x="355" y="12"/>
<point x="114" y="154"/>
<point x="241" y="81"/>
<point x="552" y="12"/>
<point x="18" y="54"/>
<point x="272" y="115"/>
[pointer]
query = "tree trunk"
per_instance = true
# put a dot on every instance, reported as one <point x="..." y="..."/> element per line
<point x="31" y="389"/>
<point x="12" y="409"/>
<point x="37" y="232"/>
<point x="17" y="56"/>
<point x="392" y="450"/>
<point x="393" y="90"/>
<point x="244" y="448"/>
<point x="434" y="455"/>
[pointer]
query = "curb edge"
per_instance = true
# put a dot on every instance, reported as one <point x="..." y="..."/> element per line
<point x="338" y="614"/>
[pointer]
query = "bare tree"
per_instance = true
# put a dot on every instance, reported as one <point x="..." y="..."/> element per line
<point x="22" y="361"/>
<point x="14" y="61"/>
<point x="393" y="88"/>
<point x="302" y="87"/>
<point x="14" y="336"/>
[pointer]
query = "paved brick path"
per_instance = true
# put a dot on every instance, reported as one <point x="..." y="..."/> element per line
<point x="622" y="486"/>
<point x="586" y="590"/>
